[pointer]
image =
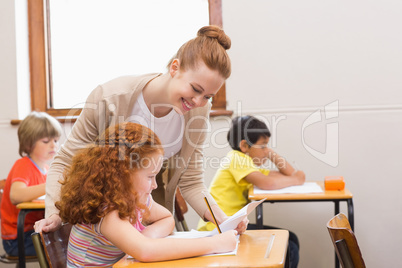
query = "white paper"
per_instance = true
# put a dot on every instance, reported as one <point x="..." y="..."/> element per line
<point x="198" y="234"/>
<point x="230" y="224"/>
<point x="307" y="187"/>
<point x="235" y="219"/>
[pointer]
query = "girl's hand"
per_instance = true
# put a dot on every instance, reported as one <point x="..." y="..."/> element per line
<point x="225" y="242"/>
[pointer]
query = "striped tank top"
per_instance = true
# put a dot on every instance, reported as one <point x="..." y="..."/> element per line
<point x="87" y="247"/>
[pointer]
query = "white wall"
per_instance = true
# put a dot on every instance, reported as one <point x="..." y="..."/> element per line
<point x="294" y="57"/>
<point x="290" y="59"/>
<point x="8" y="87"/>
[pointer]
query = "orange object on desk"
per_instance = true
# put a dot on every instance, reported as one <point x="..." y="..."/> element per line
<point x="333" y="183"/>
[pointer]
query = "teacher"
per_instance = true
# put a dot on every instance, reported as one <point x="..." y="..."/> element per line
<point x="175" y="105"/>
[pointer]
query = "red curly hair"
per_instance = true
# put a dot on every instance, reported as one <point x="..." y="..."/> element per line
<point x="99" y="179"/>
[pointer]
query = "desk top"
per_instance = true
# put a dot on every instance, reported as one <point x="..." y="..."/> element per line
<point x="325" y="195"/>
<point x="250" y="253"/>
<point x="35" y="204"/>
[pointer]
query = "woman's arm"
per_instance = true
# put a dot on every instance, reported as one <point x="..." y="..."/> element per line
<point x="146" y="249"/>
<point x="160" y="222"/>
<point x="20" y="192"/>
<point x="85" y="131"/>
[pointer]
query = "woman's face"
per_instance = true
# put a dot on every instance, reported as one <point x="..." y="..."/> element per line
<point x="192" y="88"/>
<point x="144" y="178"/>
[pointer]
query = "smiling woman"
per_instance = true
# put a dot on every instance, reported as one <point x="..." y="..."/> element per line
<point x="70" y="59"/>
<point x="174" y="105"/>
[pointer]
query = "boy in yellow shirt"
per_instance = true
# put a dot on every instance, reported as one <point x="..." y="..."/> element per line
<point x="248" y="138"/>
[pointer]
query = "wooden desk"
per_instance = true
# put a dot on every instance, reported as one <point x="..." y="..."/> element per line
<point x="326" y="196"/>
<point x="251" y="252"/>
<point x="25" y="208"/>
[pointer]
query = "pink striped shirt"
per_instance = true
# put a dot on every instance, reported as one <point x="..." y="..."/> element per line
<point x="88" y="247"/>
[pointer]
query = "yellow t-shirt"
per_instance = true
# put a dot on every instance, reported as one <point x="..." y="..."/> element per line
<point x="228" y="187"/>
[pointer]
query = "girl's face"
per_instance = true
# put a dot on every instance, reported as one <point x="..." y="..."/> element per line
<point x="192" y="88"/>
<point x="44" y="149"/>
<point x="144" y="178"/>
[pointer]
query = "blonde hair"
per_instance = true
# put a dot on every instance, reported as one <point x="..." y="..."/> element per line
<point x="35" y="126"/>
<point x="210" y="46"/>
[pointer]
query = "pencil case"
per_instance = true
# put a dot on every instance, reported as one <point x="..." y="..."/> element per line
<point x="334" y="183"/>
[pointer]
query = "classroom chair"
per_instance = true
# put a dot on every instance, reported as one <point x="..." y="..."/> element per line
<point x="180" y="207"/>
<point x="345" y="242"/>
<point x="4" y="258"/>
<point x="51" y="248"/>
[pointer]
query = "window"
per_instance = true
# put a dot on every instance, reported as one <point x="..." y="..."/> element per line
<point x="44" y="96"/>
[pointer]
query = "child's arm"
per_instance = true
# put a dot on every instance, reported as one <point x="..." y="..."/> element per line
<point x="286" y="176"/>
<point x="160" y="222"/>
<point x="124" y="236"/>
<point x="20" y="192"/>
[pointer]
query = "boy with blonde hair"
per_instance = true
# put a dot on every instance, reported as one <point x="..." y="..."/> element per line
<point x="38" y="136"/>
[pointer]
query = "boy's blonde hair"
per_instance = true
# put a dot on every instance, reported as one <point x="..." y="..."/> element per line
<point x="35" y="126"/>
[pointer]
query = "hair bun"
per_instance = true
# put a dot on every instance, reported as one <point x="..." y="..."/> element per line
<point x="215" y="32"/>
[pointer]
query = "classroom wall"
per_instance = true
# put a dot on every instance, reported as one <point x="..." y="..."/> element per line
<point x="326" y="75"/>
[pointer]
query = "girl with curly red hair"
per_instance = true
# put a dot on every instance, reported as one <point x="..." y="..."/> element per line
<point x="106" y="194"/>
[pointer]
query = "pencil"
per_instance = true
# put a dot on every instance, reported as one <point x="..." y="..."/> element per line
<point x="213" y="216"/>
<point x="269" y="247"/>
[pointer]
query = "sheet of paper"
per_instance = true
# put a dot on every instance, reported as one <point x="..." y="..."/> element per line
<point x="235" y="219"/>
<point x="198" y="234"/>
<point x="307" y="187"/>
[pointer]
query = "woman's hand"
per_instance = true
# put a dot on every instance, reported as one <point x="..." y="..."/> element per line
<point x="242" y="226"/>
<point x="50" y="224"/>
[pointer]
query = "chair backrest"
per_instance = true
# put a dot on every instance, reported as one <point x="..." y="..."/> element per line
<point x="180" y="207"/>
<point x="345" y="243"/>
<point x="53" y="246"/>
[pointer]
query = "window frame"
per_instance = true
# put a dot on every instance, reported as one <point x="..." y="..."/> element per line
<point x="40" y="61"/>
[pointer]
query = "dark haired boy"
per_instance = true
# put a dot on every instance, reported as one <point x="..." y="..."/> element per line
<point x="248" y="138"/>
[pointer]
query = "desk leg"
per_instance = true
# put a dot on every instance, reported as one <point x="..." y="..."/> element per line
<point x="336" y="207"/>
<point x="351" y="214"/>
<point x="258" y="216"/>
<point x="336" y="213"/>
<point x="20" y="237"/>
